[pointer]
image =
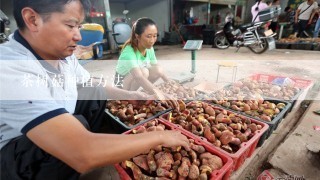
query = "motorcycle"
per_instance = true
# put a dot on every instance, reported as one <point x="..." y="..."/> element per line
<point x="252" y="36"/>
<point x="4" y="21"/>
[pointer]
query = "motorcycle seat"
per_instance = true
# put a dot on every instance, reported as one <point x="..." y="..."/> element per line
<point x="245" y="26"/>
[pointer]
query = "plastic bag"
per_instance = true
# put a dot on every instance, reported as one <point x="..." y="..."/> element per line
<point x="283" y="81"/>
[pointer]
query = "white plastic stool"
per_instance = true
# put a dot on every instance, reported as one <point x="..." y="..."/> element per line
<point x="228" y="64"/>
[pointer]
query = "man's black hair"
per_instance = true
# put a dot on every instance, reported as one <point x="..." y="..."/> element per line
<point x="43" y="7"/>
<point x="287" y="9"/>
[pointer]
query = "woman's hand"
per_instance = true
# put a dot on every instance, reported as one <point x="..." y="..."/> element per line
<point x="167" y="99"/>
<point x="138" y="95"/>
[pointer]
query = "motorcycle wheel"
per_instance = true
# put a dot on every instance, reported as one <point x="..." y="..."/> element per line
<point x="259" y="48"/>
<point x="221" y="42"/>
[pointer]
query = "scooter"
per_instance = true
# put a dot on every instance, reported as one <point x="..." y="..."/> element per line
<point x="4" y="21"/>
<point x="252" y="36"/>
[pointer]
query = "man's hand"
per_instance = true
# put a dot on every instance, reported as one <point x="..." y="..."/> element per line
<point x="174" y="139"/>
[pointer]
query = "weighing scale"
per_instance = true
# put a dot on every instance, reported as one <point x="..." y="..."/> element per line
<point x="193" y="46"/>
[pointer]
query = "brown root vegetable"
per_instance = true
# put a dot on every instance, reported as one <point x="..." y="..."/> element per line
<point x="158" y="148"/>
<point x="181" y="178"/>
<point x="215" y="163"/>
<point x="184" y="153"/>
<point x="246" y="107"/>
<point x="217" y="133"/>
<point x="253" y="127"/>
<point x="141" y="161"/>
<point x="151" y="161"/>
<point x="164" y="173"/>
<point x="152" y="128"/>
<point x="183" y="170"/>
<point x="199" y="149"/>
<point x="242" y="137"/>
<point x="205" y="155"/>
<point x="205" y="172"/>
<point x="177" y="156"/>
<point x="197" y="162"/>
<point x="159" y="128"/>
<point x="174" y="174"/>
<point x="203" y="176"/>
<point x="141" y="115"/>
<point x="194" y="172"/>
<point x="182" y="105"/>
<point x="217" y="143"/>
<point x="226" y="137"/>
<point x="236" y="108"/>
<point x="130" y="110"/>
<point x="137" y="174"/>
<point x="122" y="114"/>
<point x="197" y="128"/>
<point x="227" y="148"/>
<point x="265" y="117"/>
<point x="176" y="163"/>
<point x="164" y="160"/>
<point x="209" y="110"/>
<point x="259" y="127"/>
<point x="175" y="149"/>
<point x="193" y="155"/>
<point x="141" y="129"/>
<point x="220" y="117"/>
<point x="247" y="132"/>
<point x="209" y="135"/>
<point x="235" y="126"/>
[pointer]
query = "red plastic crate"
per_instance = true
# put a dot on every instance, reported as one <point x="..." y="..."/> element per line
<point x="122" y="173"/>
<point x="267" y="78"/>
<point x="246" y="149"/>
<point x="223" y="173"/>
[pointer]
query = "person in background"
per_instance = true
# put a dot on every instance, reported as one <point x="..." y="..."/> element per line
<point x="302" y="16"/>
<point x="269" y="3"/>
<point x="274" y="22"/>
<point x="258" y="6"/>
<point x="290" y="15"/>
<point x="45" y="132"/>
<point x="317" y="26"/>
<point x="137" y="65"/>
<point x="229" y="17"/>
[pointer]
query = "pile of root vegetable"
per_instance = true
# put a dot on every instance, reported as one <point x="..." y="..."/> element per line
<point x="222" y="128"/>
<point x="177" y="91"/>
<point x="259" y="109"/>
<point x="131" y="114"/>
<point x="299" y="40"/>
<point x="251" y="89"/>
<point x="172" y="163"/>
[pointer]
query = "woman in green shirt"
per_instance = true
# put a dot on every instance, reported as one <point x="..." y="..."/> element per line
<point x="137" y="64"/>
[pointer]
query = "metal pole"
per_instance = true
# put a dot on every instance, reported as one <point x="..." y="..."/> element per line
<point x="193" y="61"/>
<point x="172" y="16"/>
<point x="209" y="8"/>
<point x="109" y="24"/>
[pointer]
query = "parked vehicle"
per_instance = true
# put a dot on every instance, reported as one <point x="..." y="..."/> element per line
<point x="4" y="21"/>
<point x="252" y="36"/>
